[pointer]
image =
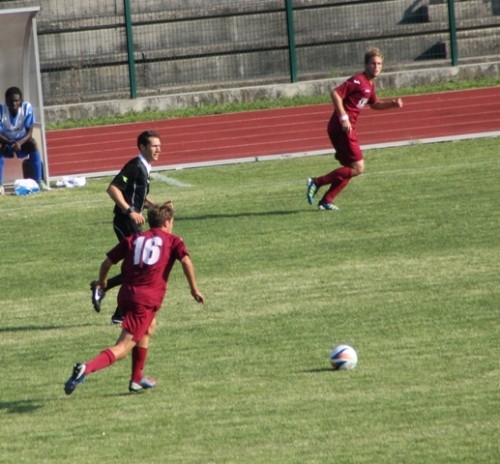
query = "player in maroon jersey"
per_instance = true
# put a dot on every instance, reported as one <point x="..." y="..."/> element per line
<point x="147" y="259"/>
<point x="348" y="100"/>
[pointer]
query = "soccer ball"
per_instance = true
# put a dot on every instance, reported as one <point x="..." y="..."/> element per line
<point x="343" y="357"/>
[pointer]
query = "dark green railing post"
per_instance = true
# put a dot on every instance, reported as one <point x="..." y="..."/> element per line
<point x="130" y="48"/>
<point x="453" y="33"/>
<point x="292" y="53"/>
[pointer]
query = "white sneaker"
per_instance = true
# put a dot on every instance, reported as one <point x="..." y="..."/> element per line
<point x="144" y="384"/>
<point x="2" y="190"/>
<point x="43" y="186"/>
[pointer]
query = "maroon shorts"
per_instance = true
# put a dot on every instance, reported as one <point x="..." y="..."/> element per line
<point x="137" y="318"/>
<point x="347" y="149"/>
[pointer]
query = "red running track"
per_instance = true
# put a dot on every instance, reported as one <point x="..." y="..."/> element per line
<point x="294" y="131"/>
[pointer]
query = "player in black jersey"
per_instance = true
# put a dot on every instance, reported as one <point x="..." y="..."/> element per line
<point x="129" y="191"/>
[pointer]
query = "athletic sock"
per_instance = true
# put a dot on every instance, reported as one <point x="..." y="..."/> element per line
<point x="335" y="189"/>
<point x="114" y="282"/>
<point x="338" y="180"/>
<point x="139" y="355"/>
<point x="336" y="175"/>
<point x="2" y="164"/>
<point x="102" y="360"/>
<point x="36" y="163"/>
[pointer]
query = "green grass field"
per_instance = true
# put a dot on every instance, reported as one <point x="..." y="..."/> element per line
<point x="407" y="272"/>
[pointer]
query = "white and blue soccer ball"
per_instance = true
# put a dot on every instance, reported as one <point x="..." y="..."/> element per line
<point x="343" y="357"/>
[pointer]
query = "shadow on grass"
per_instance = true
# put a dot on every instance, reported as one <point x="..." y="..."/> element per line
<point x="238" y="215"/>
<point x="127" y="394"/>
<point x="29" y="328"/>
<point x="20" y="407"/>
<point x="122" y="394"/>
<point x="318" y="370"/>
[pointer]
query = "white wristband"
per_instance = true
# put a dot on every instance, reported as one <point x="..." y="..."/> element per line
<point x="343" y="118"/>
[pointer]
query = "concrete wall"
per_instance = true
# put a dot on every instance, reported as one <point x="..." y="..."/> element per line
<point x="388" y="80"/>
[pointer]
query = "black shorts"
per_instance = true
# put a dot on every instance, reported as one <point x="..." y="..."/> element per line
<point x="124" y="226"/>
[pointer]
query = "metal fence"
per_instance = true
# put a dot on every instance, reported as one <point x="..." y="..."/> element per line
<point x="100" y="49"/>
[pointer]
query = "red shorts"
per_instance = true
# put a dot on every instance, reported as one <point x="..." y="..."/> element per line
<point x="137" y="318"/>
<point x="347" y="149"/>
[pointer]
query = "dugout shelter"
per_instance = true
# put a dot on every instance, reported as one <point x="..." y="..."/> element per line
<point x="19" y="67"/>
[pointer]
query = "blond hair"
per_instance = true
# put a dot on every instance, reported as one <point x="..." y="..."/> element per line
<point x="373" y="52"/>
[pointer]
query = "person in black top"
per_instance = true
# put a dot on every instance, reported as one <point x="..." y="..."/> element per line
<point x="129" y="191"/>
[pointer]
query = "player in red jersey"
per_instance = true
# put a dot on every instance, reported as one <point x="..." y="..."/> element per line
<point x="147" y="259"/>
<point x="348" y="100"/>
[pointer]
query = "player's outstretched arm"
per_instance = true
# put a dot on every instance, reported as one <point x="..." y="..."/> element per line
<point x="188" y="268"/>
